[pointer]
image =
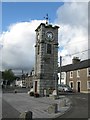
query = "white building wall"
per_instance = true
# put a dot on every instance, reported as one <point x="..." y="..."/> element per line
<point x="19" y="83"/>
<point x="63" y="78"/>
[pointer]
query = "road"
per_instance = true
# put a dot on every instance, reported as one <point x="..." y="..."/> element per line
<point x="9" y="111"/>
<point x="79" y="106"/>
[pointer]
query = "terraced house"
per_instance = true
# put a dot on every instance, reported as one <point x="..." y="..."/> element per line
<point x="78" y="75"/>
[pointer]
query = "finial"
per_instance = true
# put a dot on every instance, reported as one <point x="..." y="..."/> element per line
<point x="47" y="18"/>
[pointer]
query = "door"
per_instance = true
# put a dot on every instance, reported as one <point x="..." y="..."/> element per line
<point x="71" y="85"/>
<point x="35" y="86"/>
<point x="78" y="83"/>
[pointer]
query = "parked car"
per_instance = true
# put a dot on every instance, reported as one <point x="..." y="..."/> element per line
<point x="31" y="92"/>
<point x="64" y="88"/>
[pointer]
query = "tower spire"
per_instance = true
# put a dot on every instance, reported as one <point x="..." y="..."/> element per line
<point x="47" y="19"/>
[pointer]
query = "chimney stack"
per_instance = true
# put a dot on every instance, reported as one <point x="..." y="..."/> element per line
<point x="75" y="60"/>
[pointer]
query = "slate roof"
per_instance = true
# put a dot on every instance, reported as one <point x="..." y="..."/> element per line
<point x="76" y="66"/>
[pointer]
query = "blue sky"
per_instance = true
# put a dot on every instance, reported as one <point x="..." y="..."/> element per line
<point x="13" y="12"/>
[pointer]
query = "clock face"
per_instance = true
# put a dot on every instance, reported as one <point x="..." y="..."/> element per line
<point x="49" y="35"/>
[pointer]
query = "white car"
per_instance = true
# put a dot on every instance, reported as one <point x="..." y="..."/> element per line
<point x="31" y="90"/>
<point x="64" y="88"/>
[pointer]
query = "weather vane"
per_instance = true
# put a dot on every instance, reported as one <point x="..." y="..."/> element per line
<point x="47" y="19"/>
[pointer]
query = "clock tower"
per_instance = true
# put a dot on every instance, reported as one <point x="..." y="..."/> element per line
<point x="46" y="58"/>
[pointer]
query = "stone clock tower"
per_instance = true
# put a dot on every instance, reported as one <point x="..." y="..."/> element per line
<point x="46" y="58"/>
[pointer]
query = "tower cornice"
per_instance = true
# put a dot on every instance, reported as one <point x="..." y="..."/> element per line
<point x="47" y="26"/>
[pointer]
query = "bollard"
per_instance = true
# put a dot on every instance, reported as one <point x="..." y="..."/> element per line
<point x="52" y="108"/>
<point x="27" y="115"/>
<point x="62" y="103"/>
<point x="55" y="107"/>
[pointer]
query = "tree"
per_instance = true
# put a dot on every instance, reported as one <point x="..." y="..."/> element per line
<point x="8" y="75"/>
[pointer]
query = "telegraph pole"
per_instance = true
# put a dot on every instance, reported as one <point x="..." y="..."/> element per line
<point x="60" y="68"/>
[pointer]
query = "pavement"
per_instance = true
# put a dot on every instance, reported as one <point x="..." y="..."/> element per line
<point x="40" y="107"/>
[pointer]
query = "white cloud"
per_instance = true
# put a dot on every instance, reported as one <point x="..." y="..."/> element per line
<point x="73" y="33"/>
<point x="74" y="14"/>
<point x="18" y="45"/>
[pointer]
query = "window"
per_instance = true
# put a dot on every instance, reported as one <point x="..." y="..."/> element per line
<point x="71" y="74"/>
<point x="42" y="66"/>
<point x="78" y="73"/>
<point x="88" y="84"/>
<point x="49" y="48"/>
<point x="88" y="71"/>
<point x="38" y="49"/>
